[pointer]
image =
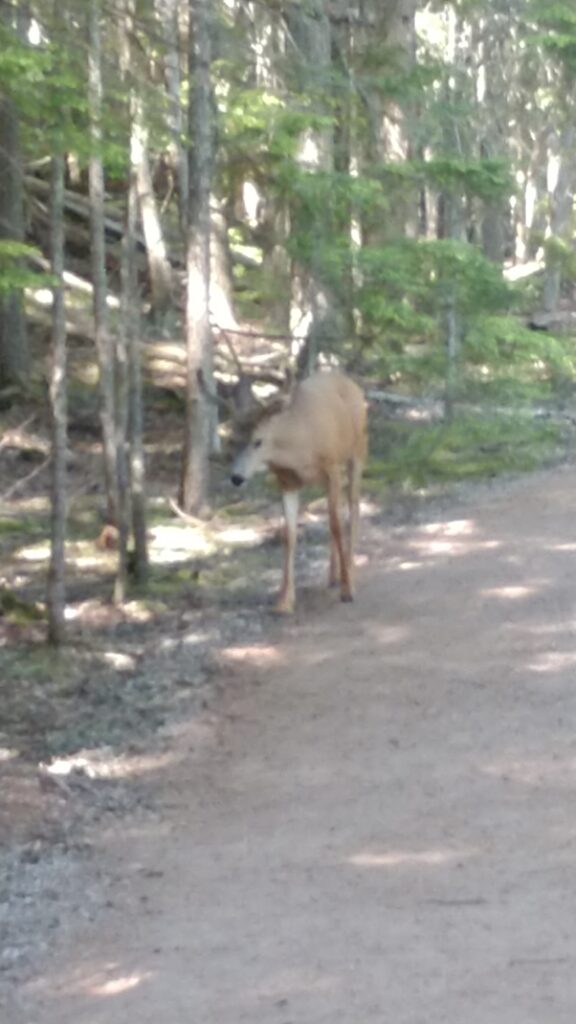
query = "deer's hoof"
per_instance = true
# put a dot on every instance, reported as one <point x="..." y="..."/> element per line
<point x="347" y="597"/>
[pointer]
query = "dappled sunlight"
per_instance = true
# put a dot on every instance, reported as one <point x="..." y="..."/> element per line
<point x="453" y="528"/>
<point x="434" y="857"/>
<point x="94" y="764"/>
<point x="35" y="552"/>
<point x="37" y="504"/>
<point x="240" y="535"/>
<point x="259" y="655"/>
<point x="191" y="639"/>
<point x="449" y="546"/>
<point x="455" y="537"/>
<point x="368" y="507"/>
<point x="552" y="661"/>
<point x="120" y="661"/>
<point x="116" y="986"/>
<point x="176" y="543"/>
<point x="99" y="562"/>
<point x="109" y="980"/>
<point x="132" y="611"/>
<point x="44" y="296"/>
<point x="510" y="593"/>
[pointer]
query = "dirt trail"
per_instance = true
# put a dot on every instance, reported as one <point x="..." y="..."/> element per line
<point x="380" y="827"/>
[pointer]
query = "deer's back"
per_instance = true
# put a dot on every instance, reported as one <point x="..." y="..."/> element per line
<point x="325" y="424"/>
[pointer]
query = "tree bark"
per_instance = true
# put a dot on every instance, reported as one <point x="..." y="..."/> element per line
<point x="313" y="308"/>
<point x="195" y="469"/>
<point x="14" y="352"/>
<point x="158" y="262"/>
<point x="265" y="26"/>
<point x="104" y="343"/>
<point x="130" y="324"/>
<point x="393" y="25"/>
<point x="167" y="13"/>
<point x="56" y="595"/>
<point x="561" y="207"/>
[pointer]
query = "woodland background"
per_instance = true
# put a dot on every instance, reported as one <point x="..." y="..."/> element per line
<point x="248" y="187"/>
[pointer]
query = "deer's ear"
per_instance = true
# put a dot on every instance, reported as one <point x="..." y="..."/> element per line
<point x="283" y="397"/>
<point x="278" y="404"/>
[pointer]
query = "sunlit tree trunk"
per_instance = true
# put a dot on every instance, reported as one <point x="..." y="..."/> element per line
<point x="158" y="262"/>
<point x="130" y="446"/>
<point x="104" y="341"/>
<point x="195" y="470"/>
<point x="489" y="41"/>
<point x="131" y="328"/>
<point x="562" y="175"/>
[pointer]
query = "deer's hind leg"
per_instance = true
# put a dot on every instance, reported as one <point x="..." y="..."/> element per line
<point x="355" y="468"/>
<point x="339" y="568"/>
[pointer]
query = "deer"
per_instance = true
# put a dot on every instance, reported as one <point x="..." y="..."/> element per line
<point x="308" y="436"/>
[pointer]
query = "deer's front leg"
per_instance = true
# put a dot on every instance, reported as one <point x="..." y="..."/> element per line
<point x="286" y="598"/>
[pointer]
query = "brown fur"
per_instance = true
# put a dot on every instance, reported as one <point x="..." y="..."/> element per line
<point x="307" y="439"/>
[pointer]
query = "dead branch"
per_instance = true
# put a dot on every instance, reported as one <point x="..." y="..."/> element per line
<point x="186" y="518"/>
<point x="26" y="479"/>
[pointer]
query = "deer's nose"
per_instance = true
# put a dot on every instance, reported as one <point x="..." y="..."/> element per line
<point x="237" y="479"/>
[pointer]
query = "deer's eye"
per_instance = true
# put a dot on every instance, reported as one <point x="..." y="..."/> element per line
<point x="258" y="442"/>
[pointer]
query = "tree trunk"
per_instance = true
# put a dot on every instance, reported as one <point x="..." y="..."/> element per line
<point x="123" y="344"/>
<point x="195" y="469"/>
<point x="265" y="27"/>
<point x="104" y="343"/>
<point x="158" y="262"/>
<point x="221" y="285"/>
<point x="452" y="334"/>
<point x="392" y="24"/>
<point x="313" y="309"/>
<point x="167" y="13"/>
<point x="130" y="315"/>
<point x="489" y="39"/>
<point x="131" y="504"/>
<point x="14" y="353"/>
<point x="56" y="596"/>
<point x="562" y="168"/>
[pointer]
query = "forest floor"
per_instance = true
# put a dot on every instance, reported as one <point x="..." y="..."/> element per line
<point x="364" y="813"/>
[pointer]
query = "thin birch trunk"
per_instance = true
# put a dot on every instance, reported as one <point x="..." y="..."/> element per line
<point x="56" y="595"/>
<point x="135" y="403"/>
